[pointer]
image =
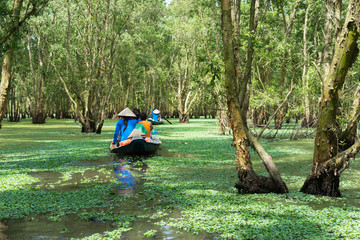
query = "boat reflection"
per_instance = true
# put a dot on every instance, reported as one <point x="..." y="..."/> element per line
<point x="127" y="173"/>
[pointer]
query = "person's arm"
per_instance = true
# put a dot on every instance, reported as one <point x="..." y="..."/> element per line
<point x="151" y="127"/>
<point x="116" y="133"/>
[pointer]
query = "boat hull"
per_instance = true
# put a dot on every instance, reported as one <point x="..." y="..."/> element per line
<point x="137" y="147"/>
<point x="156" y="122"/>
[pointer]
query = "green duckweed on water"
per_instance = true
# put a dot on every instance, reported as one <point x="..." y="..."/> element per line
<point x="46" y="170"/>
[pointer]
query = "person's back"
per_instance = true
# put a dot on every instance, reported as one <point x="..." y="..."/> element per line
<point x="126" y="129"/>
<point x="124" y="126"/>
<point x="144" y="125"/>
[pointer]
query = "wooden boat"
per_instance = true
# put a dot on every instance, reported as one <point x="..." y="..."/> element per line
<point x="156" y="122"/>
<point x="138" y="147"/>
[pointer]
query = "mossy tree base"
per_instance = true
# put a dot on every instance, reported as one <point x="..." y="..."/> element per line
<point x="250" y="182"/>
<point x="39" y="118"/>
<point x="88" y="127"/>
<point x="326" y="184"/>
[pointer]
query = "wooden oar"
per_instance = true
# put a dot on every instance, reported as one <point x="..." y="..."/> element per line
<point x="167" y="120"/>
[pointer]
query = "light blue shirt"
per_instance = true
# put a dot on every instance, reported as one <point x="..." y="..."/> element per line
<point x="120" y="128"/>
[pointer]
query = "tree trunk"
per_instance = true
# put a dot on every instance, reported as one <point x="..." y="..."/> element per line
<point x="249" y="181"/>
<point x="305" y="76"/>
<point x="6" y="70"/>
<point x="332" y="25"/>
<point x="38" y="111"/>
<point x="6" y="76"/>
<point x="183" y="86"/>
<point x="324" y="179"/>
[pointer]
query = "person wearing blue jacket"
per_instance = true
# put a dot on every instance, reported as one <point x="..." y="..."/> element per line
<point x="124" y="126"/>
<point x="156" y="115"/>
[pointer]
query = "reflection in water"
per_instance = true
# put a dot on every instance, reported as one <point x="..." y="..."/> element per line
<point x="128" y="173"/>
<point x="124" y="176"/>
<point x="124" y="173"/>
<point x="127" y="180"/>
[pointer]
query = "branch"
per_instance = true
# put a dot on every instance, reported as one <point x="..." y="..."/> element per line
<point x="341" y="161"/>
<point x="267" y="161"/>
<point x="274" y="114"/>
<point x="318" y="71"/>
<point x="191" y="102"/>
<point x="16" y="26"/>
<point x="74" y="104"/>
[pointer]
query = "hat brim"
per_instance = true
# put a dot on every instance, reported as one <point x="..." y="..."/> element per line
<point x="136" y="132"/>
<point x="126" y="113"/>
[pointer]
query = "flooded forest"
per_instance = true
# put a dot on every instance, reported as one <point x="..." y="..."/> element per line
<point x="179" y="119"/>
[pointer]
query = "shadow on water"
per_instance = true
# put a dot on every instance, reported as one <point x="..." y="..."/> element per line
<point x="128" y="172"/>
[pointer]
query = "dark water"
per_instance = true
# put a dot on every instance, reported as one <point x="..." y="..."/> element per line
<point x="42" y="228"/>
<point x="128" y="173"/>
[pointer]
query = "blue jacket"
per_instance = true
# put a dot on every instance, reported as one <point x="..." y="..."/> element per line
<point x="155" y="117"/>
<point x="120" y="126"/>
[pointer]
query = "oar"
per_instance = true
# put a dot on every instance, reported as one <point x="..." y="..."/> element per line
<point x="167" y="120"/>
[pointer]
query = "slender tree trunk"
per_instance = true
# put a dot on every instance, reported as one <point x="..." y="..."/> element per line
<point x="38" y="111"/>
<point x="324" y="178"/>
<point x="183" y="86"/>
<point x="305" y="76"/>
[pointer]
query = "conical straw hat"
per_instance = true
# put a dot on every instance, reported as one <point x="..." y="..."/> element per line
<point x="136" y="132"/>
<point x="126" y="113"/>
<point x="156" y="111"/>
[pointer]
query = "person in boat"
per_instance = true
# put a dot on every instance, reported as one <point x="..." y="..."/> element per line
<point x="156" y="115"/>
<point x="136" y="111"/>
<point x="144" y="125"/>
<point x="124" y="126"/>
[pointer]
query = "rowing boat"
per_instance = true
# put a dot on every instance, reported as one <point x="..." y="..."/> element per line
<point x="138" y="147"/>
<point x="161" y="121"/>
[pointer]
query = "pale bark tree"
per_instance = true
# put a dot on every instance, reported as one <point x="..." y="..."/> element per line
<point x="17" y="19"/>
<point x="6" y="76"/>
<point x="305" y="76"/>
<point x="38" y="77"/>
<point x="90" y="62"/>
<point x="185" y="100"/>
<point x="6" y="71"/>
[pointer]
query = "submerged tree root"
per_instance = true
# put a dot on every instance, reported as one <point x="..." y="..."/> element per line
<point x="250" y="182"/>
<point x="325" y="177"/>
<point x="326" y="184"/>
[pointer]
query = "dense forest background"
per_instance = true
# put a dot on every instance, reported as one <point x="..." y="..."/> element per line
<point x="90" y="59"/>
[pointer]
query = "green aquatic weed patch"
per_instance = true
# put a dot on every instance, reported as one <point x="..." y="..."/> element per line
<point x="197" y="180"/>
<point x="202" y="187"/>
